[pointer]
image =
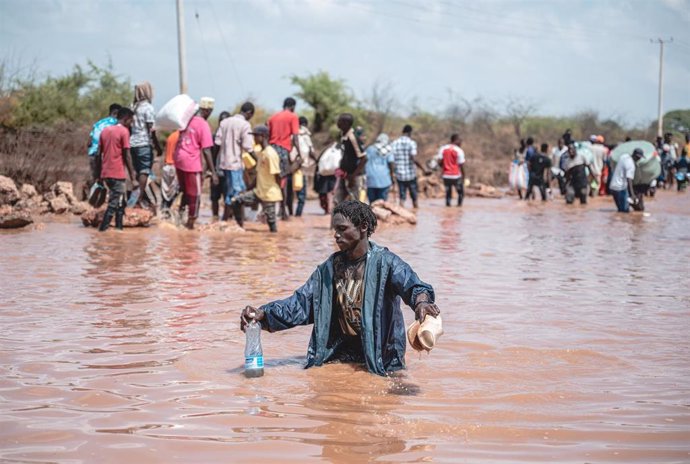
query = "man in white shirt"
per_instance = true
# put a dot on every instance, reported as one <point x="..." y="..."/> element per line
<point x="622" y="180"/>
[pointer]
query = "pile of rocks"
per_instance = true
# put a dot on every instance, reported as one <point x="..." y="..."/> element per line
<point x="18" y="206"/>
<point x="391" y="213"/>
<point x="13" y="214"/>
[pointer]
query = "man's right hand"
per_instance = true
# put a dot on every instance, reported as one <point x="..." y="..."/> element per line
<point x="250" y="313"/>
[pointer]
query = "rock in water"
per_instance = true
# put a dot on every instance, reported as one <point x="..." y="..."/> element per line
<point x="9" y="194"/>
<point x="134" y="217"/>
<point x="59" y="205"/>
<point x="381" y="214"/>
<point x="64" y="189"/>
<point x="397" y="210"/>
<point x="28" y="192"/>
<point x="14" y="219"/>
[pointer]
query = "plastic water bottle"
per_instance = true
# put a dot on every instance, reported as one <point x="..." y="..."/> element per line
<point x="253" y="354"/>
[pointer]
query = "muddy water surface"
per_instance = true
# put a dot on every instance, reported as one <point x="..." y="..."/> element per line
<point x="566" y="341"/>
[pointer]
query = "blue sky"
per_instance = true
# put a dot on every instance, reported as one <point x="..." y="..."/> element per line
<point x="565" y="56"/>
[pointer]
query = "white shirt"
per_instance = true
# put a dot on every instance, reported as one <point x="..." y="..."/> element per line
<point x="625" y="169"/>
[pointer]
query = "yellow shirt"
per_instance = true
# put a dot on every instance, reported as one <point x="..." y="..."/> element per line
<point x="268" y="166"/>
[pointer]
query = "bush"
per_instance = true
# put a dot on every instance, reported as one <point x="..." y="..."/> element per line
<point x="81" y="97"/>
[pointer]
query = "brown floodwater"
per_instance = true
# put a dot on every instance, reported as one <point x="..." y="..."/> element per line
<point x="566" y="340"/>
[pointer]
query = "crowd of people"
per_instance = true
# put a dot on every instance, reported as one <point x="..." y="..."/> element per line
<point x="272" y="165"/>
<point x="578" y="177"/>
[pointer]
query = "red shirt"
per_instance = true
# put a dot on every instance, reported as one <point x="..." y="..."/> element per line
<point x="282" y="126"/>
<point x="451" y="157"/>
<point x="113" y="140"/>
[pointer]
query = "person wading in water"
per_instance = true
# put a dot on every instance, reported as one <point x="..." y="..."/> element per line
<point x="353" y="299"/>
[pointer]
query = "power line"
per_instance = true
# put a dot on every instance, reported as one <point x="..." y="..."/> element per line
<point x="205" y="53"/>
<point x="485" y="23"/>
<point x="227" y="48"/>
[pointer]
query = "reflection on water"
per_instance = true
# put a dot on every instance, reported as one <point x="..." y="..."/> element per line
<point x="566" y="340"/>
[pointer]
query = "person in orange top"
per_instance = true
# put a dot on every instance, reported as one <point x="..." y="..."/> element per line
<point x="169" y="185"/>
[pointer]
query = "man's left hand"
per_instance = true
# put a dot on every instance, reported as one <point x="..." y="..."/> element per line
<point x="424" y="308"/>
<point x="214" y="178"/>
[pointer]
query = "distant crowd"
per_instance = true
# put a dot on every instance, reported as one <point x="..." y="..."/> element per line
<point x="271" y="166"/>
<point x="586" y="169"/>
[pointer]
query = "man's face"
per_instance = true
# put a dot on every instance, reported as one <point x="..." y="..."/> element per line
<point x="572" y="151"/>
<point x="347" y="235"/>
<point x="259" y="138"/>
<point x="127" y="121"/>
<point x="205" y="112"/>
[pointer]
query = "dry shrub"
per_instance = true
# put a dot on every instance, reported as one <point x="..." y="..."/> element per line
<point x="42" y="156"/>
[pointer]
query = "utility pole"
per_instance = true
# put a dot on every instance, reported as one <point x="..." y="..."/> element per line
<point x="660" y="118"/>
<point x="180" y="47"/>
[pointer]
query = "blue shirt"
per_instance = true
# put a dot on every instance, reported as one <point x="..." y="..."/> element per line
<point x="95" y="134"/>
<point x="378" y="172"/>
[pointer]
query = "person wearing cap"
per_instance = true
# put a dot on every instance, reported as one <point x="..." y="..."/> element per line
<point x="194" y="140"/>
<point x="621" y="186"/>
<point x="233" y="138"/>
<point x="353" y="299"/>
<point x="267" y="190"/>
<point x="380" y="169"/>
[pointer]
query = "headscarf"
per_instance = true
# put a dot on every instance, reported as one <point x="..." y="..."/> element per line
<point x="143" y="92"/>
<point x="382" y="145"/>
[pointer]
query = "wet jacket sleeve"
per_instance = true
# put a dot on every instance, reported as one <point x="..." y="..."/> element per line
<point x="295" y="310"/>
<point x="407" y="284"/>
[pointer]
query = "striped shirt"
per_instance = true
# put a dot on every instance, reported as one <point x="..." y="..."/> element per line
<point x="404" y="150"/>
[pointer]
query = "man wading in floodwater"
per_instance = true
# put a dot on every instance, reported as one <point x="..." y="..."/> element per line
<point x="353" y="299"/>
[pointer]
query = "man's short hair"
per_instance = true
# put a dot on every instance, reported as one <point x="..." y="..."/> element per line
<point x="289" y="103"/>
<point x="544" y="147"/>
<point x="347" y="117"/>
<point x="114" y="108"/>
<point x="124" y="112"/>
<point x="247" y="107"/>
<point x="407" y="129"/>
<point x="303" y="121"/>
<point x="454" y="138"/>
<point x="358" y="214"/>
<point x="530" y="140"/>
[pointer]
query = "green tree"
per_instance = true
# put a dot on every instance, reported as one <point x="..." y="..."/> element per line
<point x="677" y="121"/>
<point x="327" y="96"/>
<point x="80" y="97"/>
